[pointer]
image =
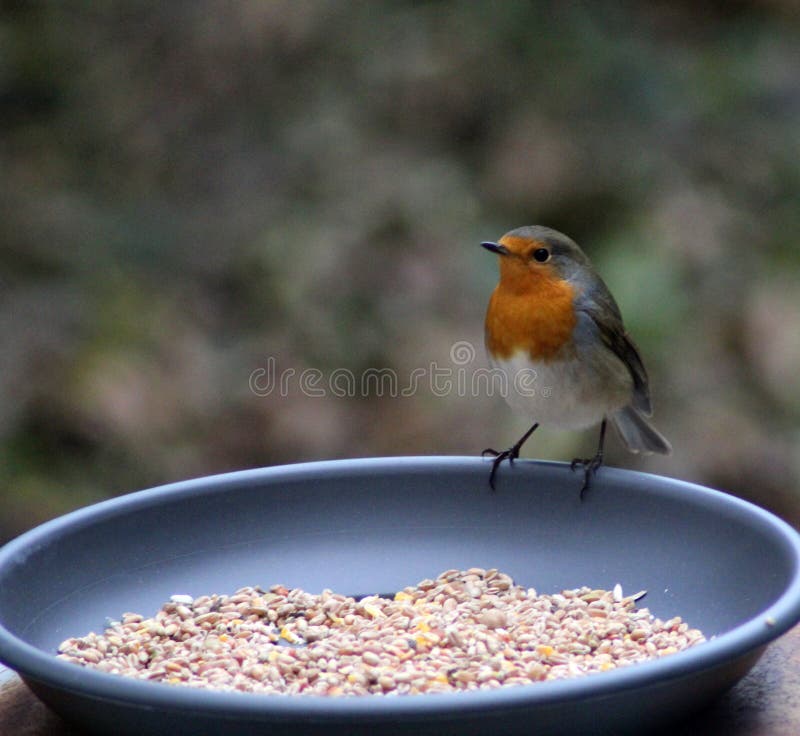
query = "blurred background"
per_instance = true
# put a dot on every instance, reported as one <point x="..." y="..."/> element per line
<point x="199" y="198"/>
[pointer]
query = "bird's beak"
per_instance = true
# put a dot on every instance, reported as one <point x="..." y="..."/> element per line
<point x="501" y="250"/>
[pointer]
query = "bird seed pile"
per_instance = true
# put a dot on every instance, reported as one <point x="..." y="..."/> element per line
<point x="462" y="631"/>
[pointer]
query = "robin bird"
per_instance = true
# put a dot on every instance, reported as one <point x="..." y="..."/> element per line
<point x="552" y="316"/>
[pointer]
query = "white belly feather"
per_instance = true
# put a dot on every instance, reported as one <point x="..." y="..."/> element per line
<point x="566" y="394"/>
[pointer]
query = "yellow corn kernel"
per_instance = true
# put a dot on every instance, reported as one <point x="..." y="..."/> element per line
<point x="373" y="611"/>
<point x="544" y="650"/>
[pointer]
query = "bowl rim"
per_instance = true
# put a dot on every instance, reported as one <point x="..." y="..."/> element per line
<point x="33" y="664"/>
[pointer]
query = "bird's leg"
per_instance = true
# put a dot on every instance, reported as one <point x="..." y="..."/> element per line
<point x="512" y="453"/>
<point x="591" y="464"/>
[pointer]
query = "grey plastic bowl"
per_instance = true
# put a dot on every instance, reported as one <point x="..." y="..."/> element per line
<point x="375" y="526"/>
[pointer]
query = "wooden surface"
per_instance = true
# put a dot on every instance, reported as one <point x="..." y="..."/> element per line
<point x="765" y="703"/>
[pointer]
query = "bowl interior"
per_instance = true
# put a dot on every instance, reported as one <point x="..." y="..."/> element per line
<point x="363" y="527"/>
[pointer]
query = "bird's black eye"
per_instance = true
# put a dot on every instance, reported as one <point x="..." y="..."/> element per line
<point x="542" y="255"/>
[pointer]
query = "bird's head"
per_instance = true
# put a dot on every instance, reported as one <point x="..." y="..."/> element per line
<point x="532" y="254"/>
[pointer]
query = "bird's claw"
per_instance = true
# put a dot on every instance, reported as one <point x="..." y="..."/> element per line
<point x="511" y="454"/>
<point x="590" y="467"/>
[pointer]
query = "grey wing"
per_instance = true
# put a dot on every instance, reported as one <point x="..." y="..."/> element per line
<point x="606" y="316"/>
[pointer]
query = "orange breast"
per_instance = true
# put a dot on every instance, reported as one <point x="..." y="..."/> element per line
<point x="538" y="318"/>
